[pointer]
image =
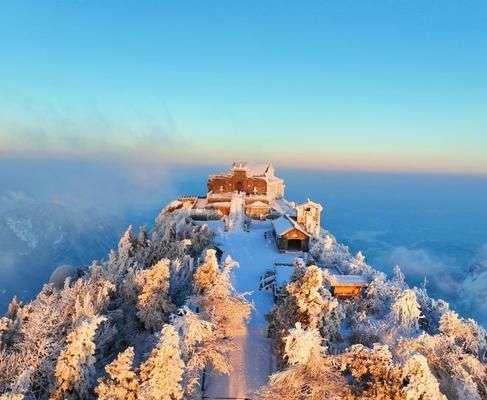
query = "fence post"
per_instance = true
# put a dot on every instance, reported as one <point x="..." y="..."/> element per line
<point x="203" y="381"/>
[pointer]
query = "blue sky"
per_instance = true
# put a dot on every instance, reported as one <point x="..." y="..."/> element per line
<point x="361" y="85"/>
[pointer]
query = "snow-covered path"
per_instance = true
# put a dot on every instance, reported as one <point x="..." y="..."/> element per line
<point x="253" y="357"/>
<point x="236" y="217"/>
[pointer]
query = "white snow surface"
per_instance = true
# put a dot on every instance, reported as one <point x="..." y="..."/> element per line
<point x="236" y="217"/>
<point x="253" y="358"/>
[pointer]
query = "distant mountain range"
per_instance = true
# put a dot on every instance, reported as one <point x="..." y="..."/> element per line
<point x="37" y="237"/>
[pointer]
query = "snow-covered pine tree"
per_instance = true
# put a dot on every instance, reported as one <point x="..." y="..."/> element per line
<point x="311" y="375"/>
<point x="420" y="382"/>
<point x="10" y="324"/>
<point x="124" y="257"/>
<point x="21" y="388"/>
<point x="216" y="297"/>
<point x="154" y="304"/>
<point x="122" y="382"/>
<point x="75" y="372"/>
<point x="306" y="301"/>
<point x="460" y="375"/>
<point x="206" y="275"/>
<point x="406" y="311"/>
<point x="466" y="333"/>
<point x="203" y="344"/>
<point x="312" y="299"/>
<point x="431" y="309"/>
<point x="373" y="371"/>
<point x="162" y="374"/>
<point x="398" y="278"/>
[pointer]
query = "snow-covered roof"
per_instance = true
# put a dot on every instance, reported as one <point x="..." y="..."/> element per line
<point x="345" y="280"/>
<point x="219" y="204"/>
<point x="252" y="169"/>
<point x="311" y="203"/>
<point x="257" y="204"/>
<point x="174" y="204"/>
<point x="274" y="179"/>
<point x="284" y="206"/>
<point x="284" y="224"/>
<point x="276" y="205"/>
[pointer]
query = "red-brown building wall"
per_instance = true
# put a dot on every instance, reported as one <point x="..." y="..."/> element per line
<point x="238" y="181"/>
<point x="347" y="291"/>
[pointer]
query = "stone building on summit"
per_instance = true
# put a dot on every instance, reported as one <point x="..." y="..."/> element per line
<point x="252" y="179"/>
<point x="259" y="194"/>
<point x="255" y="182"/>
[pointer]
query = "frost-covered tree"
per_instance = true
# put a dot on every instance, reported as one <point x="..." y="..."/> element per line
<point x="21" y="390"/>
<point x="373" y="371"/>
<point x="460" y="375"/>
<point x="164" y="243"/>
<point x="420" y="382"/>
<point x="122" y="382"/>
<point x="36" y="334"/>
<point x="309" y="298"/>
<point x="119" y="262"/>
<point x="154" y="304"/>
<point x="162" y="374"/>
<point x="360" y="257"/>
<point x="216" y="297"/>
<point x="379" y="295"/>
<point x="10" y="324"/>
<point x="91" y="297"/>
<point x="466" y="333"/>
<point x="203" y="344"/>
<point x="42" y="328"/>
<point x="406" y="311"/>
<point x="306" y="301"/>
<point x="126" y="245"/>
<point x="431" y="309"/>
<point x="398" y="278"/>
<point x="302" y="345"/>
<point x="323" y="248"/>
<point x="75" y="370"/>
<point x="206" y="275"/>
<point x="311" y="375"/>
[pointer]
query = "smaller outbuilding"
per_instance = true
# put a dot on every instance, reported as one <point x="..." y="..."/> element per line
<point x="346" y="286"/>
<point x="257" y="209"/>
<point x="308" y="216"/>
<point x="222" y="206"/>
<point x="289" y="235"/>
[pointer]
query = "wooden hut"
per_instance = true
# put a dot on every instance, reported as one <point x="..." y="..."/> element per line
<point x="346" y="286"/>
<point x="289" y="235"/>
